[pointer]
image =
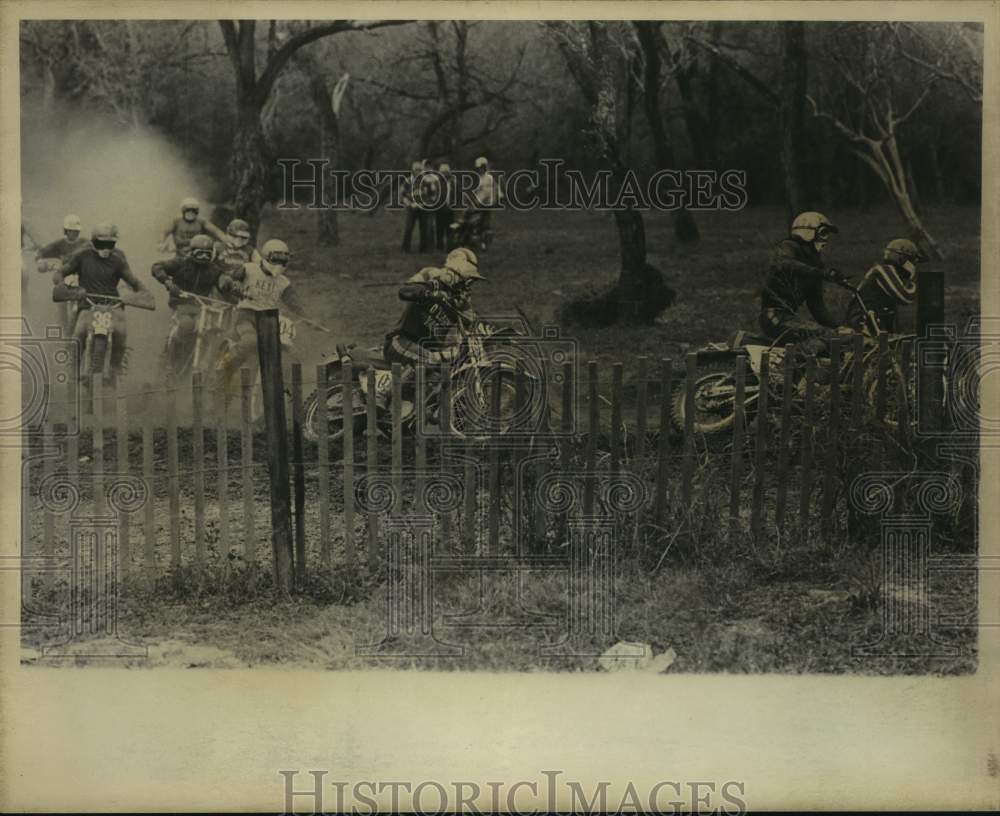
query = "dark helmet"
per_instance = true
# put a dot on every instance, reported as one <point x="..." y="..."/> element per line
<point x="239" y="228"/>
<point x="201" y="248"/>
<point x="900" y="250"/>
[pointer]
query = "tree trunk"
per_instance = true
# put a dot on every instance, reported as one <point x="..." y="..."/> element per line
<point x="685" y="228"/>
<point x="248" y="167"/>
<point x="794" y="78"/>
<point x="631" y="281"/>
<point x="329" y="139"/>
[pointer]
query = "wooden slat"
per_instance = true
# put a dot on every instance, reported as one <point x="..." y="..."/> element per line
<point x="521" y="522"/>
<point x="857" y="384"/>
<point x="881" y="395"/>
<point x="787" y="400"/>
<point x="617" y="374"/>
<point x="298" y="476"/>
<point x="122" y="466"/>
<point x="760" y="449"/>
<point x="49" y="441"/>
<point x="736" y="460"/>
<point x="687" y="474"/>
<point x="73" y="425"/>
<point x="495" y="392"/>
<point x="198" y="465"/>
<point x="806" y="454"/>
<point x="396" y="408"/>
<point x="593" y="430"/>
<point x="222" y="463"/>
<point x="173" y="478"/>
<point x="567" y="415"/>
<point x="641" y="408"/>
<point x="902" y="397"/>
<point x="246" y="460"/>
<point x="541" y="469"/>
<point x="663" y="441"/>
<point x="445" y="419"/>
<point x="420" y="440"/>
<point x="347" y="403"/>
<point x="323" y="468"/>
<point x="371" y="446"/>
<point x="97" y="446"/>
<point x="149" y="519"/>
<point x="832" y="438"/>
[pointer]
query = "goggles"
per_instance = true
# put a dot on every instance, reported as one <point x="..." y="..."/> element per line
<point x="187" y="210"/>
<point x="104" y="243"/>
<point x="278" y="258"/>
<point x="201" y="254"/>
<point x="824" y="232"/>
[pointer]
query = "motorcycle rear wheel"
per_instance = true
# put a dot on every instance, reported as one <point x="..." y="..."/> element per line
<point x="334" y="412"/>
<point x="714" y="403"/>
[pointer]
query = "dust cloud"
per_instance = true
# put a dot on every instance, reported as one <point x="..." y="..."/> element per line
<point x="101" y="170"/>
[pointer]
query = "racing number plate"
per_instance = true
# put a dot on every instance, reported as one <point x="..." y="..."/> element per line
<point x="102" y="322"/>
<point x="286" y="330"/>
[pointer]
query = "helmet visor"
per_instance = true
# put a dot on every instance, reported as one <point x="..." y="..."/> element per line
<point x="192" y="210"/>
<point x="201" y="254"/>
<point x="104" y="243"/>
<point x="278" y="258"/>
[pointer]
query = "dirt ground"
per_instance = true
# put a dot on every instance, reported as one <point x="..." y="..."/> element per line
<point x="796" y="605"/>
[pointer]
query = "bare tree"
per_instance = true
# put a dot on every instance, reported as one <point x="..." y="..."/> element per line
<point x="652" y="44"/>
<point x="587" y="50"/>
<point x="786" y="97"/>
<point x="248" y="163"/>
<point x="867" y="59"/>
<point x="445" y="79"/>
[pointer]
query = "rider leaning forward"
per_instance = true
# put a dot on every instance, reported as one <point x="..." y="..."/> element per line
<point x="887" y="286"/>
<point x="438" y="304"/>
<point x="197" y="273"/>
<point x="99" y="267"/>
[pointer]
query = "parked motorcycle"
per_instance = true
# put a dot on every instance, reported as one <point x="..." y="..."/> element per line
<point x="715" y="390"/>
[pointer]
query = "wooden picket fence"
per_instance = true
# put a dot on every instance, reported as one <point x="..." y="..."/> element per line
<point x="781" y="470"/>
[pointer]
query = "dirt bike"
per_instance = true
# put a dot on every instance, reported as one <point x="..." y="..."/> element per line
<point x="472" y="373"/>
<point x="95" y="357"/>
<point x="715" y="391"/>
<point x="469" y="232"/>
<point x="66" y="309"/>
<point x="212" y="327"/>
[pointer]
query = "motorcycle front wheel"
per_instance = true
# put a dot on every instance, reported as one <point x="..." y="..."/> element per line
<point x="714" y="403"/>
<point x="334" y="412"/>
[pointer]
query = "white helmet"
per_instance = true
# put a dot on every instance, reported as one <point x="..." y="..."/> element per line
<point x="72" y="222"/>
<point x="190" y="204"/>
<point x="464" y="263"/>
<point x="812" y="225"/>
<point x="481" y="162"/>
<point x="275" y="251"/>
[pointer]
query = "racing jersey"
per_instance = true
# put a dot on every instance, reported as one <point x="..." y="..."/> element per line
<point x="262" y="291"/>
<point x="183" y="231"/>
<point x="62" y="248"/>
<point x="885" y="288"/>
<point x="795" y="276"/>
<point x="198" y="278"/>
<point x="100" y="276"/>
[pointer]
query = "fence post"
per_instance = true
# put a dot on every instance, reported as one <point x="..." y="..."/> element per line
<point x="787" y="398"/>
<point x="198" y="462"/>
<point x="736" y="462"/>
<point x="760" y="449"/>
<point x="121" y="441"/>
<point x="593" y="431"/>
<point x="446" y="421"/>
<point x="832" y="437"/>
<point x="246" y="451"/>
<point x="806" y="458"/>
<point x="299" y="476"/>
<point x="930" y="312"/>
<point x="396" y="409"/>
<point x="347" y="403"/>
<point x="322" y="425"/>
<point x="371" y="446"/>
<point x="273" y="393"/>
<point x="687" y="474"/>
<point x="222" y="464"/>
<point x="97" y="442"/>
<point x="496" y="390"/>
<point x="883" y="370"/>
<point x="173" y="483"/>
<point x="419" y="443"/>
<point x="663" y="442"/>
<point x="149" y="521"/>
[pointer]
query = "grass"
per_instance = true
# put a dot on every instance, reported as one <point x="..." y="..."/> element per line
<point x="789" y="604"/>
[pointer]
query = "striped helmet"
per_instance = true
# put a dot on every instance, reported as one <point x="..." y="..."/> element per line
<point x="894" y="281"/>
<point x="900" y="250"/>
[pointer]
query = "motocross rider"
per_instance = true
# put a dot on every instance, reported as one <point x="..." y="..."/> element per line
<point x="795" y="276"/>
<point x="236" y="250"/>
<point x="199" y="273"/>
<point x="190" y="224"/>
<point x="99" y="267"/>
<point x="54" y="255"/>
<point x="438" y="304"/>
<point x="887" y="286"/>
<point x="262" y="286"/>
